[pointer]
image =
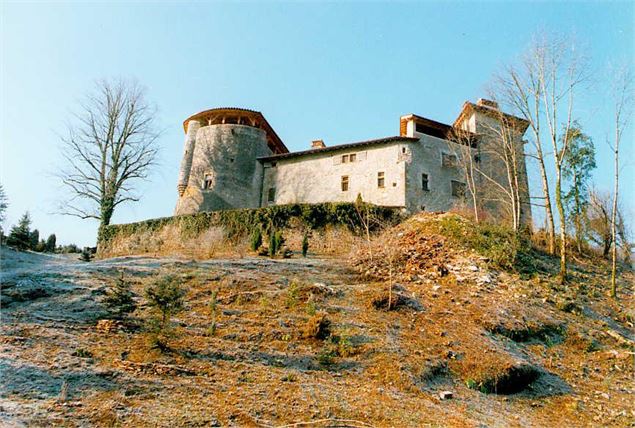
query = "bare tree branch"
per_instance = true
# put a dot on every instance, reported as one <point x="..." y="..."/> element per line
<point x="111" y="144"/>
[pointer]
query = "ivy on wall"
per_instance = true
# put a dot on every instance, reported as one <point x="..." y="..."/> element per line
<point x="239" y="223"/>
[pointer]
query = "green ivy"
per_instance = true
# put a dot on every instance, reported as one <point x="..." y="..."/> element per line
<point x="241" y="222"/>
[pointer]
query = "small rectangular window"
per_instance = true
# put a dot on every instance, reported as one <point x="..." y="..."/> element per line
<point x="352" y="157"/>
<point x="458" y="189"/>
<point x="208" y="182"/>
<point x="271" y="194"/>
<point x="449" y="160"/>
<point x="424" y="182"/>
<point x="381" y="180"/>
<point x="345" y="183"/>
<point x="344" y="158"/>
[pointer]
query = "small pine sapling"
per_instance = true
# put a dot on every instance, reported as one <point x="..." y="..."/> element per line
<point x="275" y="242"/>
<point x="166" y="296"/>
<point x="85" y="256"/>
<point x="120" y="298"/>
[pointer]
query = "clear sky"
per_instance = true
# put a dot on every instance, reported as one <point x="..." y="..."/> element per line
<point x="341" y="72"/>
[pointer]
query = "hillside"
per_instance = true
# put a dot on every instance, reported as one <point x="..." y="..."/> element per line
<point x="474" y="332"/>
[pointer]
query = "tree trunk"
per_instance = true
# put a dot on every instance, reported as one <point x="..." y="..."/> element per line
<point x="551" y="231"/>
<point x="577" y="219"/>
<point x="563" y="227"/>
<point x="614" y="218"/>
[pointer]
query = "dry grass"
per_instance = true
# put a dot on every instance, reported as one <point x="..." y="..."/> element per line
<point x="377" y="367"/>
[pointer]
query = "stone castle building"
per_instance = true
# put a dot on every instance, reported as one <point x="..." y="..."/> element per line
<point x="233" y="158"/>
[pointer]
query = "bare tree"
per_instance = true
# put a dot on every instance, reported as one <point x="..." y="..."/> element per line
<point x="601" y="221"/>
<point x="544" y="92"/>
<point x="600" y="214"/>
<point x="111" y="144"/>
<point x="502" y="168"/>
<point x="462" y="144"/>
<point x="4" y="204"/>
<point x="623" y="98"/>
<point x="519" y="88"/>
<point x="561" y="70"/>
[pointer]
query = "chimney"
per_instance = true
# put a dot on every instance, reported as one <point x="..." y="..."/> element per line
<point x="487" y="103"/>
<point x="317" y="144"/>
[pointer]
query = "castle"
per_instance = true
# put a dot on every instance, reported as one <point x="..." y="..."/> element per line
<point x="233" y="158"/>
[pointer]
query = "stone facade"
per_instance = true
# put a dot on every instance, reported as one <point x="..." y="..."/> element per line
<point x="233" y="159"/>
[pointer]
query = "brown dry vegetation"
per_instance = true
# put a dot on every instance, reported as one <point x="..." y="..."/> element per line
<point x="516" y="350"/>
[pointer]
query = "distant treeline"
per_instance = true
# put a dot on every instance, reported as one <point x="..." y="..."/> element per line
<point x="22" y="238"/>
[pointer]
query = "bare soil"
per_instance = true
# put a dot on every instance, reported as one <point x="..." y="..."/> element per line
<point x="512" y="351"/>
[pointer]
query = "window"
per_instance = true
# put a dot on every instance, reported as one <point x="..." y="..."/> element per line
<point x="458" y="189"/>
<point x="424" y="182"/>
<point x="208" y="181"/>
<point x="380" y="180"/>
<point x="449" y="160"/>
<point x="271" y="194"/>
<point x="345" y="183"/>
<point x="349" y="158"/>
<point x="403" y="150"/>
<point x="274" y="164"/>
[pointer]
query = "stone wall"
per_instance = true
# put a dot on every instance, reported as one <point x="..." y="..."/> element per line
<point x="317" y="178"/>
<point x="425" y="157"/>
<point x="225" y="155"/>
<point x="330" y="227"/>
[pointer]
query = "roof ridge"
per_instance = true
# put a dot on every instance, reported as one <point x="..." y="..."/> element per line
<point x="341" y="146"/>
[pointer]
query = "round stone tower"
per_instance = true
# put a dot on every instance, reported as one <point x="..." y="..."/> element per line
<point x="220" y="169"/>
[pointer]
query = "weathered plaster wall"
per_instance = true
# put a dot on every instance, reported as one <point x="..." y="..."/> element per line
<point x="317" y="178"/>
<point x="226" y="153"/>
<point x="425" y="157"/>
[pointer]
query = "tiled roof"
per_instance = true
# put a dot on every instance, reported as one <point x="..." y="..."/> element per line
<point x="378" y="141"/>
<point x="273" y="140"/>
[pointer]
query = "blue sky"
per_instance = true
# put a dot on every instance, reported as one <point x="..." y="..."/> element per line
<point x="341" y="72"/>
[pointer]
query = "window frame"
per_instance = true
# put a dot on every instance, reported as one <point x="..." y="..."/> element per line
<point x="345" y="183"/>
<point x="271" y="195"/>
<point x="381" y="179"/>
<point x="208" y="181"/>
<point x="453" y="160"/>
<point x="425" y="179"/>
<point x="462" y="186"/>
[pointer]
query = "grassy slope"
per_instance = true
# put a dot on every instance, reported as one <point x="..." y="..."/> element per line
<point x="385" y="368"/>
